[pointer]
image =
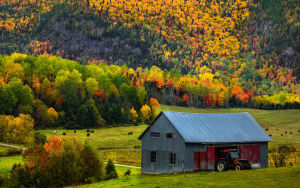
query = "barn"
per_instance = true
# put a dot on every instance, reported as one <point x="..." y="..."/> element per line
<point x="178" y="142"/>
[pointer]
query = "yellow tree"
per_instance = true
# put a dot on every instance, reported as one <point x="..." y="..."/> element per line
<point x="154" y="105"/>
<point x="146" y="112"/>
<point x="52" y="115"/>
<point x="133" y="115"/>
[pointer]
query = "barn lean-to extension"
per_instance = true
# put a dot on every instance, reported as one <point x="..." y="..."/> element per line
<point x="177" y="141"/>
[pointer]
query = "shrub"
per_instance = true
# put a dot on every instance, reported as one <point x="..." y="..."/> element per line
<point x="5" y="181"/>
<point x="60" y="162"/>
<point x="39" y="139"/>
<point x="93" y="165"/>
<point x="14" y="151"/>
<point x="25" y="176"/>
<point x="111" y="172"/>
<point x="11" y="152"/>
<point x="281" y="153"/>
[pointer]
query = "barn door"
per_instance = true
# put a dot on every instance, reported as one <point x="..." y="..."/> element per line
<point x="211" y="158"/>
<point x="200" y="158"/>
<point x="197" y="159"/>
<point x="251" y="152"/>
<point x="203" y="160"/>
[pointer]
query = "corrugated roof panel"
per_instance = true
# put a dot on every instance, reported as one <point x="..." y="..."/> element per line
<point x="217" y="128"/>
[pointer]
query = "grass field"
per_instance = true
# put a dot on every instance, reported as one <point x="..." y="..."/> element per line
<point x="6" y="163"/>
<point x="115" y="143"/>
<point x="271" y="177"/>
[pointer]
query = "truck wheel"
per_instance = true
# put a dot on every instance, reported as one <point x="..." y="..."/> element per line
<point x="238" y="167"/>
<point x="221" y="166"/>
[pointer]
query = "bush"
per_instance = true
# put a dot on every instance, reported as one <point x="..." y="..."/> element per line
<point x="60" y="162"/>
<point x="39" y="139"/>
<point x="281" y="153"/>
<point x="5" y="181"/>
<point x="14" y="151"/>
<point x="93" y="165"/>
<point x="11" y="152"/>
<point x="111" y="172"/>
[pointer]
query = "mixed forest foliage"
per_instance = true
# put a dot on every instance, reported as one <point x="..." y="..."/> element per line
<point x="61" y="92"/>
<point x="220" y="53"/>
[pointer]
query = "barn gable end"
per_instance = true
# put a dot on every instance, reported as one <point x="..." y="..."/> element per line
<point x="163" y="146"/>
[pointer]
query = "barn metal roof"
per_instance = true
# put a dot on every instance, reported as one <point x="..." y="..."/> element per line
<point x="217" y="127"/>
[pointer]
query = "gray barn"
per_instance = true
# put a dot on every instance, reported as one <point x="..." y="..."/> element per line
<point x="177" y="141"/>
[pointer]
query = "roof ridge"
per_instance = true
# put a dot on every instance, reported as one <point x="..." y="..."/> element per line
<point x="206" y="113"/>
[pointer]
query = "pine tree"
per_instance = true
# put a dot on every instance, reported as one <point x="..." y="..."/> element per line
<point x="110" y="169"/>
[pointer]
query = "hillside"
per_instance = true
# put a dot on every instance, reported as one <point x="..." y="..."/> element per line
<point x="252" y="40"/>
<point x="95" y="63"/>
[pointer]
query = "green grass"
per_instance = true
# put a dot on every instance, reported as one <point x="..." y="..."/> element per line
<point x="6" y="163"/>
<point x="271" y="177"/>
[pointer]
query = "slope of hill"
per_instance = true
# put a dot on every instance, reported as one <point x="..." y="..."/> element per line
<point x="186" y="52"/>
<point x="174" y="33"/>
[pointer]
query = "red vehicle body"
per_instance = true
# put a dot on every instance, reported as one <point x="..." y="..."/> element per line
<point x="230" y="158"/>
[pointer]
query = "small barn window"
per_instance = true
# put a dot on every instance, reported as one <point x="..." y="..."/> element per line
<point x="153" y="157"/>
<point x="155" y="134"/>
<point x="172" y="158"/>
<point x="171" y="135"/>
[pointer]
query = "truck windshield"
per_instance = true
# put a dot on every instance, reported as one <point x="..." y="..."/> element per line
<point x="234" y="155"/>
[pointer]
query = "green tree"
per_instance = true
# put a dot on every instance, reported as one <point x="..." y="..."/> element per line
<point x="91" y="86"/>
<point x="110" y="170"/>
<point x="8" y="101"/>
<point x="142" y="94"/>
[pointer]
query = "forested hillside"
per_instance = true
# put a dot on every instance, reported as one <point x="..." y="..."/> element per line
<point x="220" y="53"/>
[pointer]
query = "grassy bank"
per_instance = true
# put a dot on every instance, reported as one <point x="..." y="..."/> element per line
<point x="271" y="177"/>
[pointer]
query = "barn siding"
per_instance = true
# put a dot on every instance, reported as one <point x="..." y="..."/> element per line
<point x="163" y="146"/>
<point x="264" y="155"/>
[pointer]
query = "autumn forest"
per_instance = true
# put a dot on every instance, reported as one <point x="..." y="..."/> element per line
<point x="79" y="64"/>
